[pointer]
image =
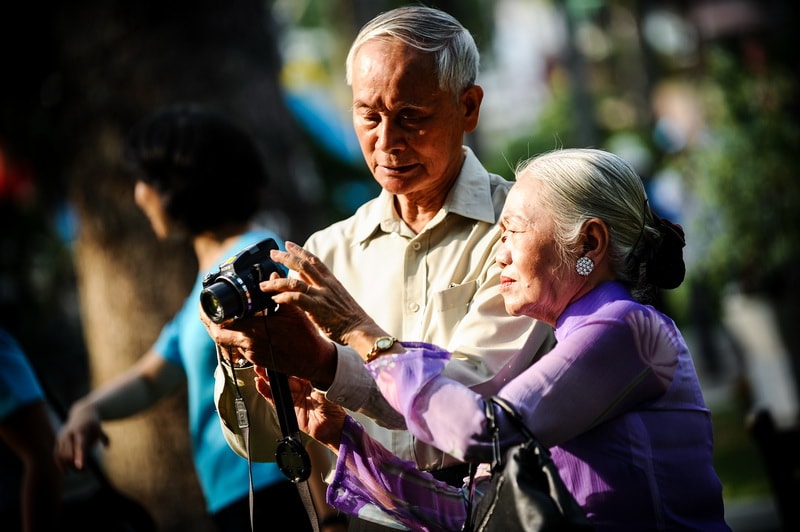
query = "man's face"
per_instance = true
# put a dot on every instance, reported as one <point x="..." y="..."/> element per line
<point x="410" y="131"/>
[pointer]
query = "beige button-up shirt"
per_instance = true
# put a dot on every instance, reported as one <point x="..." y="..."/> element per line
<point x="439" y="286"/>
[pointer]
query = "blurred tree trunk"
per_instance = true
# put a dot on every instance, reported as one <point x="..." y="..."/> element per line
<point x="119" y="61"/>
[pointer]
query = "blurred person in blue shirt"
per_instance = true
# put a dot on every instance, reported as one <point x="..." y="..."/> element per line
<point x="197" y="176"/>
<point x="30" y="482"/>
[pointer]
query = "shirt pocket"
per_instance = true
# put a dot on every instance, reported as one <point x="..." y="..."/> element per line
<point x="455" y="297"/>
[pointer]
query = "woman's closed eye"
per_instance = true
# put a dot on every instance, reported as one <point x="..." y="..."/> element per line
<point x="509" y="232"/>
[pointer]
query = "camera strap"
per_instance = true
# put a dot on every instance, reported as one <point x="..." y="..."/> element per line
<point x="291" y="455"/>
<point x="243" y="421"/>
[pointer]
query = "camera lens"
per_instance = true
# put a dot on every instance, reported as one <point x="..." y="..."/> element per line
<point x="221" y="302"/>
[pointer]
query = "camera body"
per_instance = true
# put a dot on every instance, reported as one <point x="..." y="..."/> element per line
<point x="233" y="291"/>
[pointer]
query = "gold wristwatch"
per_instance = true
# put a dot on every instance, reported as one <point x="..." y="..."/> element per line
<point x="381" y="344"/>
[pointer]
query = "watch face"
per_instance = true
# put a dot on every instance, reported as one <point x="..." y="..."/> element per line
<point x="385" y="343"/>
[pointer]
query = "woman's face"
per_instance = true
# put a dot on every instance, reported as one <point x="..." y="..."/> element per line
<point x="533" y="280"/>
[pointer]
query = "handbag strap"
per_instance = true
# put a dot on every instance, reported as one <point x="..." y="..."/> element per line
<point x="512" y="415"/>
<point x="574" y="516"/>
<point x="497" y="455"/>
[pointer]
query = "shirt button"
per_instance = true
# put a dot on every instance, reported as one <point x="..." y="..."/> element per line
<point x="413" y="307"/>
<point x="416" y="246"/>
<point x="339" y="399"/>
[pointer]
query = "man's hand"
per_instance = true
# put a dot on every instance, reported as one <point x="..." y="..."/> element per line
<point x="284" y="340"/>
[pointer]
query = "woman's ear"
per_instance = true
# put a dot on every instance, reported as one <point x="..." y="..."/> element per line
<point x="595" y="239"/>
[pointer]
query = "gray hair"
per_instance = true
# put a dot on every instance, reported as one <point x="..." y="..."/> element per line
<point x="588" y="183"/>
<point x="428" y="30"/>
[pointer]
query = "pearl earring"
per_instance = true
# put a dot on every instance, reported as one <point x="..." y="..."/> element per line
<point x="584" y="266"/>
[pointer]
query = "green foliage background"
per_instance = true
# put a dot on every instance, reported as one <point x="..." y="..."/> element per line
<point x="745" y="176"/>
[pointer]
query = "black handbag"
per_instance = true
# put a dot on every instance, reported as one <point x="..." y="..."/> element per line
<point x="526" y="491"/>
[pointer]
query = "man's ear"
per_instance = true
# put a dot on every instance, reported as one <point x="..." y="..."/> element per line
<point x="471" y="100"/>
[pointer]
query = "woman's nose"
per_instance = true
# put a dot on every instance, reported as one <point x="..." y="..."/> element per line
<point x="502" y="257"/>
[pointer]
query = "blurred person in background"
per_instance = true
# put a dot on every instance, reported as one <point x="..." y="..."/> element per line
<point x="30" y="481"/>
<point x="197" y="176"/>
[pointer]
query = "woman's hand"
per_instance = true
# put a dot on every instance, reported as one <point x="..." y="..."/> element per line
<point x="317" y="291"/>
<point x="316" y="416"/>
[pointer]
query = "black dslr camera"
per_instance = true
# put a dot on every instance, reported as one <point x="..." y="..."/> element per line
<point x="233" y="292"/>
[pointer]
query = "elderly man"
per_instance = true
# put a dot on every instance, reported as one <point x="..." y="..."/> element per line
<point x="419" y="257"/>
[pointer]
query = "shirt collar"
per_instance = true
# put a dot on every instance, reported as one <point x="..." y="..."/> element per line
<point x="470" y="197"/>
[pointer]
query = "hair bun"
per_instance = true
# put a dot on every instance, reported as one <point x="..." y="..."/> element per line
<point x="666" y="268"/>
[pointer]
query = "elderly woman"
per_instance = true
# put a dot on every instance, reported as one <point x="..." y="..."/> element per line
<point x="617" y="400"/>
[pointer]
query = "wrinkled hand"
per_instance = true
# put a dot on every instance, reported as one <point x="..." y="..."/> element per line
<point x="285" y="341"/>
<point x="317" y="291"/>
<point x="316" y="416"/>
<point x="75" y="440"/>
